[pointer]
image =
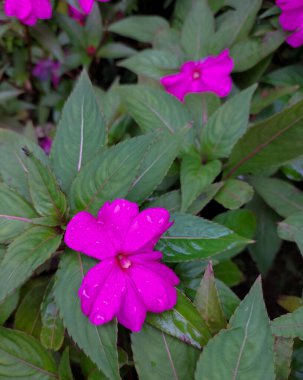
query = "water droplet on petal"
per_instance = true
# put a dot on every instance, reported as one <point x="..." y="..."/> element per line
<point x="149" y="219"/>
<point x="117" y="209"/>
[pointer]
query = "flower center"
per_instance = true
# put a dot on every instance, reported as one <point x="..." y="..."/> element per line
<point x="124" y="261"/>
<point x="196" y="74"/>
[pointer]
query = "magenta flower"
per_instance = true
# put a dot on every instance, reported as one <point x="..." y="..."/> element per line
<point x="130" y="280"/>
<point x="47" y="69"/>
<point x="76" y="15"/>
<point x="28" y="11"/>
<point x="87" y="5"/>
<point x="211" y="74"/>
<point x="46" y="144"/>
<point x="291" y="19"/>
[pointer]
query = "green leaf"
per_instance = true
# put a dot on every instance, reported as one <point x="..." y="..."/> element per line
<point x="98" y="342"/>
<point x="16" y="214"/>
<point x="25" y="255"/>
<point x="235" y="24"/>
<point x="290" y="303"/>
<point x="289" y="325"/>
<point x="280" y="195"/>
<point x="46" y="195"/>
<point x="171" y="201"/>
<point x="155" y="165"/>
<point x="152" y="63"/>
<point x="109" y="175"/>
<point x="93" y="27"/>
<point x="52" y="331"/>
<point x="204" y="198"/>
<point x="65" y="372"/>
<point x="80" y="134"/>
<point x="196" y="177"/>
<point x="267" y="242"/>
<point x="229" y="273"/>
<point x="153" y="109"/>
<point x="28" y="318"/>
<point x="75" y="31"/>
<point x="293" y="170"/>
<point x="12" y="169"/>
<point x="198" y="28"/>
<point x="23" y="357"/>
<point x="234" y="194"/>
<point x="194" y="238"/>
<point x="229" y="300"/>
<point x="249" y="354"/>
<point x="283" y="357"/>
<point x="291" y="229"/>
<point x="225" y="127"/>
<point x="251" y="51"/>
<point x="158" y="356"/>
<point x="140" y="28"/>
<point x="8" y="306"/>
<point x="182" y="322"/>
<point x="115" y="50"/>
<point x="48" y="40"/>
<point x="208" y="302"/>
<point x="269" y="143"/>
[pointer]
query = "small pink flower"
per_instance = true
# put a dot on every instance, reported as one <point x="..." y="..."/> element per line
<point x="211" y="74"/>
<point x="87" y="5"/>
<point x="46" y="144"/>
<point x="130" y="280"/>
<point x="28" y="11"/>
<point x="76" y="15"/>
<point x="292" y="19"/>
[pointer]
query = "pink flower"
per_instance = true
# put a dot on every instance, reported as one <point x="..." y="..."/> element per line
<point x="211" y="74"/>
<point x="87" y="5"/>
<point x="28" y="11"/>
<point x="76" y="15"/>
<point x="130" y="280"/>
<point x="47" y="69"/>
<point x="292" y="19"/>
<point x="46" y="144"/>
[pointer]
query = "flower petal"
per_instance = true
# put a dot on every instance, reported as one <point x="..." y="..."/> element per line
<point x="289" y="4"/>
<point x="86" y="5"/>
<point x="292" y="20"/>
<point x="157" y="294"/>
<point x="296" y="39"/>
<point x="132" y="312"/>
<point x="92" y="283"/>
<point x="117" y="217"/>
<point x="109" y="297"/>
<point x="146" y="229"/>
<point x="176" y="85"/>
<point x="84" y="233"/>
<point x="18" y="8"/>
<point x="42" y="9"/>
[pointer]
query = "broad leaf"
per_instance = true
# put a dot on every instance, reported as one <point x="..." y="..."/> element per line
<point x="46" y="195"/>
<point x="229" y="300"/>
<point x="291" y="229"/>
<point x="155" y="165"/>
<point x="98" y="342"/>
<point x="65" y="372"/>
<point x="196" y="177"/>
<point x="269" y="143"/>
<point x="208" y="302"/>
<point x="153" y="109"/>
<point x="8" y="306"/>
<point x="140" y="28"/>
<point x="225" y="127"/>
<point x="280" y="195"/>
<point x="283" y="357"/>
<point x="182" y="322"/>
<point x="234" y="194"/>
<point x="198" y="27"/>
<point x="22" y="357"/>
<point x="251" y="354"/>
<point x="158" y="356"/>
<point x="25" y="255"/>
<point x="80" y="134"/>
<point x="289" y="325"/>
<point x="16" y="214"/>
<point x="52" y="331"/>
<point x="194" y="238"/>
<point x="109" y="175"/>
<point x="12" y="169"/>
<point x="171" y="201"/>
<point x="228" y="272"/>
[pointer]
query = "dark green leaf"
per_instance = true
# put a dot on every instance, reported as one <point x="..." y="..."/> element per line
<point x="80" y="134"/>
<point x="158" y="356"/>
<point x="65" y="372"/>
<point x="289" y="325"/>
<point x="228" y="272"/>
<point x="269" y="143"/>
<point x="8" y="306"/>
<point x="225" y="127"/>
<point x="250" y="356"/>
<point x="99" y="343"/>
<point x="109" y="175"/>
<point x="25" y="255"/>
<point x="22" y="357"/>
<point x="234" y="194"/>
<point x="283" y="356"/>
<point x="182" y="322"/>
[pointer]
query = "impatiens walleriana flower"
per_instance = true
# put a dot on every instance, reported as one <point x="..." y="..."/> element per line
<point x="76" y="15"/>
<point x="28" y="11"/>
<point x="292" y="19"/>
<point x="129" y="280"/>
<point x="47" y="69"/>
<point x="211" y="74"/>
<point x="87" y="5"/>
